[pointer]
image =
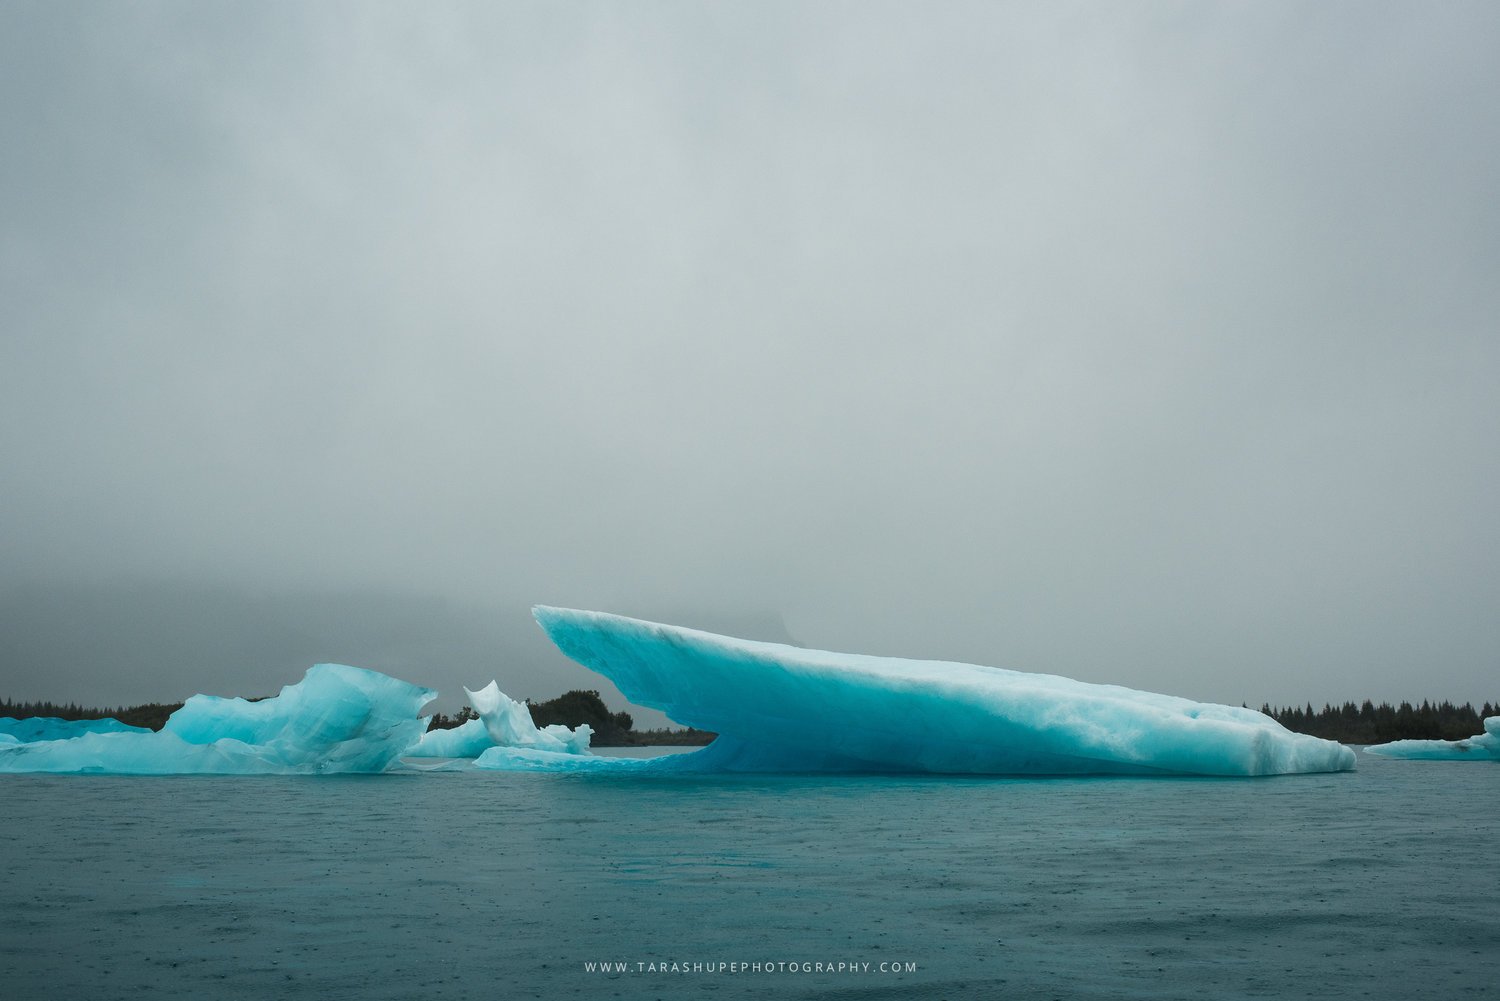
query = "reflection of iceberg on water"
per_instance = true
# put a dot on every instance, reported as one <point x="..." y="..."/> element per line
<point x="1484" y="747"/>
<point x="502" y="722"/>
<point x="782" y="708"/>
<point x="336" y="719"/>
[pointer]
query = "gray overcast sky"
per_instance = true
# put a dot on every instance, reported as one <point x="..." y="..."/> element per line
<point x="1151" y="343"/>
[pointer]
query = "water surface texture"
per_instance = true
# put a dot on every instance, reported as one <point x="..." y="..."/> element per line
<point x="1380" y="883"/>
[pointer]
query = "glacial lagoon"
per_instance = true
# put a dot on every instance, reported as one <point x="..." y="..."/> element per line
<point x="1375" y="883"/>
<point x="336" y="869"/>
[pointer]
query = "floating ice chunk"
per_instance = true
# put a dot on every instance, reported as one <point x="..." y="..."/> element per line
<point x="510" y="725"/>
<point x="503" y="722"/>
<point x="467" y="740"/>
<point x="1484" y="747"/>
<point x="781" y="708"/>
<point x="36" y="728"/>
<point x="336" y="719"/>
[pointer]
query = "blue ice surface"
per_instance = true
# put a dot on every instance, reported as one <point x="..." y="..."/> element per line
<point x="34" y="728"/>
<point x="467" y="740"/>
<point x="337" y="719"/>
<point x="1484" y="747"/>
<point x="502" y="722"/>
<point x="785" y="709"/>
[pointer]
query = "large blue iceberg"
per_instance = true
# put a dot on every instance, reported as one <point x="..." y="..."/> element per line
<point x="502" y="722"/>
<point x="1484" y="747"/>
<point x="336" y="719"/>
<point x="782" y="708"/>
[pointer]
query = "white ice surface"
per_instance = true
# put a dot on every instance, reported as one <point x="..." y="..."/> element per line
<point x="509" y="724"/>
<point x="502" y="722"/>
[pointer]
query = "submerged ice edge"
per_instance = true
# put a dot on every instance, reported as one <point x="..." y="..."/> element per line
<point x="1483" y="747"/>
<point x="789" y="709"/>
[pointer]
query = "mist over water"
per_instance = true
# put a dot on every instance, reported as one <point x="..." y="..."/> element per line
<point x="1142" y="344"/>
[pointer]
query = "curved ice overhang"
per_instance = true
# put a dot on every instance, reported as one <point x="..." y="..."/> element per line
<point x="791" y="709"/>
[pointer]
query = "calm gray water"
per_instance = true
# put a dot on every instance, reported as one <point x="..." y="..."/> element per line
<point x="1383" y="883"/>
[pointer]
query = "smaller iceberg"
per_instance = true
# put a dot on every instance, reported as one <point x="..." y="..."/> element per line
<point x="35" y="728"/>
<point x="502" y="723"/>
<point x="1484" y="747"/>
<point x="467" y="740"/>
<point x="337" y="719"/>
<point x="509" y="725"/>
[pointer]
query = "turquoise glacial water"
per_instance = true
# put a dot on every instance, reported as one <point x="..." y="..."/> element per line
<point x="1382" y="883"/>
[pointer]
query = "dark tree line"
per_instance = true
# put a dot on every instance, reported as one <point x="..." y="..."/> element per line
<point x="1371" y="724"/>
<point x="569" y="709"/>
<point x="574" y="708"/>
<point x="442" y="721"/>
<point x="1366" y="723"/>
<point x="152" y="715"/>
<point x="610" y="729"/>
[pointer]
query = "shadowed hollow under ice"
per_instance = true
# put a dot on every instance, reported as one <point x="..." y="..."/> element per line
<point x="782" y="708"/>
<point x="336" y="719"/>
<point x="1484" y="747"/>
